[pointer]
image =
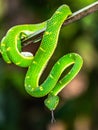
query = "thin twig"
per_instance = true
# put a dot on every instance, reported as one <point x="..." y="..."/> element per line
<point x="82" y="13"/>
<point x="73" y="18"/>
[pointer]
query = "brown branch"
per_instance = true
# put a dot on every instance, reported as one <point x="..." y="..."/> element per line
<point x="73" y="18"/>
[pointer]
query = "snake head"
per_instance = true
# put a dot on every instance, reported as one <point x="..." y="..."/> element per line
<point x="51" y="102"/>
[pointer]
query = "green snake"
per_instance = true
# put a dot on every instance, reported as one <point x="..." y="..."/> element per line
<point x="11" y="50"/>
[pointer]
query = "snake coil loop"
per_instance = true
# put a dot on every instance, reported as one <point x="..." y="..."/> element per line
<point x="11" y="52"/>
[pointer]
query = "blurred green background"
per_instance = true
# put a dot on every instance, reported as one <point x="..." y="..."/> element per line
<point x="78" y="108"/>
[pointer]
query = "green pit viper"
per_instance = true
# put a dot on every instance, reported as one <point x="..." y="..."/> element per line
<point x="11" y="50"/>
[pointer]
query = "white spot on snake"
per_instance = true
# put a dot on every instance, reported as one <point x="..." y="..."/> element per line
<point x="8" y="62"/>
<point x="48" y="33"/>
<point x="51" y="91"/>
<point x="8" y="49"/>
<point x="25" y="85"/>
<point x="1" y="52"/>
<point x="29" y="86"/>
<point x="41" y="88"/>
<point x="54" y="23"/>
<point x="34" y="62"/>
<point x="71" y="56"/>
<point x="76" y="55"/>
<point x="48" y="101"/>
<point x="58" y="63"/>
<point x="18" y="63"/>
<point x="27" y="77"/>
<point x="51" y="76"/>
<point x="42" y="49"/>
<point x="32" y="89"/>
<point x="69" y="73"/>
<point x="58" y="12"/>
<point x="2" y="44"/>
<point x="27" y="54"/>
<point x="60" y="82"/>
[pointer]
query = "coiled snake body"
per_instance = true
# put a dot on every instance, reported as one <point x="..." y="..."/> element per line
<point x="11" y="52"/>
